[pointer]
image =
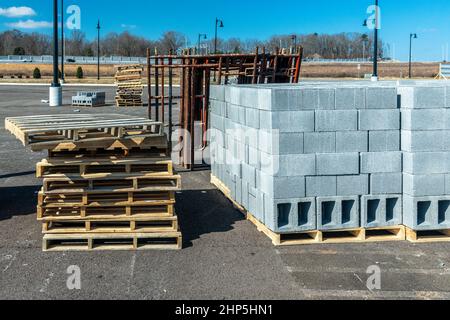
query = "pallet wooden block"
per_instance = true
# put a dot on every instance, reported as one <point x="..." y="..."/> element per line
<point x="102" y="242"/>
<point x="431" y="236"/>
<point x="44" y="130"/>
<point x="130" y="88"/>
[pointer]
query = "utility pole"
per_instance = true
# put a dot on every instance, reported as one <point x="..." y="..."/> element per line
<point x="411" y="37"/>
<point x="62" y="41"/>
<point x="200" y="37"/>
<point x="55" y="94"/>
<point x="98" y="50"/>
<point x="215" y="38"/>
<point x="375" y="45"/>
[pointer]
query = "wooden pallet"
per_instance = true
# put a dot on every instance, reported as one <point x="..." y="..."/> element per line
<point x="101" y="168"/>
<point x="89" y="213"/>
<point x="84" y="200"/>
<point x="42" y="130"/>
<point x="357" y="235"/>
<point x="102" y="242"/>
<point x="427" y="236"/>
<point x="112" y="184"/>
<point x="136" y="225"/>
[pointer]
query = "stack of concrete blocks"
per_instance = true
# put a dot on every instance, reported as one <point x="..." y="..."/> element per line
<point x="322" y="156"/>
<point x="426" y="149"/>
<point x="89" y="99"/>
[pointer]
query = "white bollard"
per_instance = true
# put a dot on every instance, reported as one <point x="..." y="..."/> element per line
<point x="55" y="96"/>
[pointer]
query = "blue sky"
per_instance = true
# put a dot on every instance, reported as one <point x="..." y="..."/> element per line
<point x="251" y="19"/>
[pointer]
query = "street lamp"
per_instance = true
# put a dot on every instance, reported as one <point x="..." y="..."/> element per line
<point x="200" y="37"/>
<point x="62" y="41"/>
<point x="411" y="37"/>
<point x="375" y="46"/>
<point x="55" y="93"/>
<point x="219" y="24"/>
<point x="98" y="50"/>
<point x="294" y="41"/>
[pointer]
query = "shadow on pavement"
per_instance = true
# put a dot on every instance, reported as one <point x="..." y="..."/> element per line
<point x="18" y="201"/>
<point x="204" y="212"/>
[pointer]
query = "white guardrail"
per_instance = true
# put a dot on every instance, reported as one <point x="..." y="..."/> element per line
<point x="73" y="59"/>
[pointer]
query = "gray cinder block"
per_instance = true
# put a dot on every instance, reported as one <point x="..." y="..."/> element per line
<point x="424" y="185"/>
<point x="336" y="120"/>
<point x="249" y="174"/>
<point x="217" y="93"/>
<point x="338" y="164"/>
<point x="381" y="98"/>
<point x="291" y="215"/>
<point x="352" y="141"/>
<point x="381" y="141"/>
<point x="252" y="118"/>
<point x="386" y="183"/>
<point x="378" y="120"/>
<point x="426" y="163"/>
<point x="422" y="97"/>
<point x="350" y="98"/>
<point x="337" y="213"/>
<point x="325" y="186"/>
<point x="288" y="121"/>
<point x="381" y="211"/>
<point x="447" y="184"/>
<point x="320" y="142"/>
<point x="289" y="165"/>
<point x="381" y="162"/>
<point x="425" y="141"/>
<point x="353" y="185"/>
<point x="281" y="187"/>
<point x="432" y="119"/>
<point x="426" y="213"/>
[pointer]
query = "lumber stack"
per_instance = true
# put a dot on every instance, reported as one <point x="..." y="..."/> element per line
<point x="129" y="86"/>
<point x="114" y="190"/>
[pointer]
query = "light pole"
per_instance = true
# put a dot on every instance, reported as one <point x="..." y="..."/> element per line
<point x="62" y="41"/>
<point x="219" y="24"/>
<point x="411" y="37"/>
<point x="200" y="37"/>
<point x="294" y="42"/>
<point x="55" y="94"/>
<point x="375" y="45"/>
<point x="98" y="50"/>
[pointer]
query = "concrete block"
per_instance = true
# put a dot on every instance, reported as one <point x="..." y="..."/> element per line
<point x="426" y="163"/>
<point x="424" y="185"/>
<point x="352" y="141"/>
<point x="265" y="99"/>
<point x="254" y="159"/>
<point x="288" y="165"/>
<point x="218" y="108"/>
<point x="291" y="215"/>
<point x="425" y="141"/>
<point x="381" y="211"/>
<point x="325" y="186"/>
<point x="252" y="118"/>
<point x="245" y="195"/>
<point x="426" y="213"/>
<point x="276" y="143"/>
<point x="353" y="185"/>
<point x="381" y="98"/>
<point x="289" y="187"/>
<point x="381" y="162"/>
<point x="320" y="142"/>
<point x="431" y="119"/>
<point x="337" y="164"/>
<point x="386" y="183"/>
<point x="337" y="213"/>
<point x="423" y="97"/>
<point x="286" y="99"/>
<point x="312" y="99"/>
<point x="350" y="98"/>
<point x="381" y="141"/>
<point x="447" y="184"/>
<point x="336" y="120"/>
<point x="249" y="174"/>
<point x="378" y="120"/>
<point x="217" y="93"/>
<point x="288" y="121"/>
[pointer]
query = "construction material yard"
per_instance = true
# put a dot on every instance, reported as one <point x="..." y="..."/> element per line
<point x="224" y="256"/>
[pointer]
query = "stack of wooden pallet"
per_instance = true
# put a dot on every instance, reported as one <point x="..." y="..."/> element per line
<point x="129" y="86"/>
<point x="107" y="184"/>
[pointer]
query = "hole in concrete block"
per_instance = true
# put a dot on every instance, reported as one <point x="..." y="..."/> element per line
<point x="327" y="212"/>
<point x="303" y="213"/>
<point x="390" y="208"/>
<point x="422" y="211"/>
<point x="284" y="210"/>
<point x="372" y="209"/>
<point x="444" y="211"/>
<point x="347" y="207"/>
